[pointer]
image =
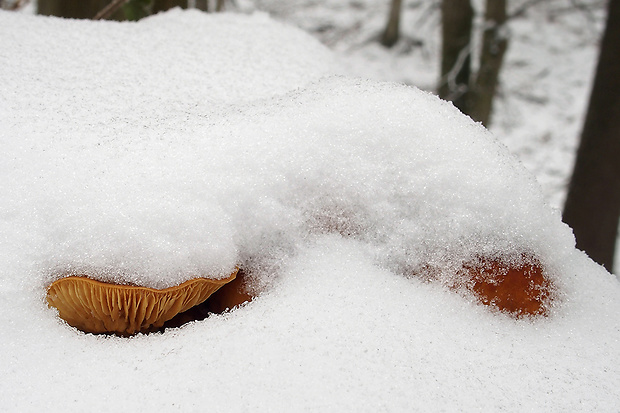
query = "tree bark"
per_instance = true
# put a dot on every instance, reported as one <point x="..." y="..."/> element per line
<point x="74" y="9"/>
<point x="110" y="9"/>
<point x="163" y="5"/>
<point x="456" y="24"/>
<point x="137" y="9"/>
<point x="494" y="45"/>
<point x="392" y="28"/>
<point x="202" y="5"/>
<point x="592" y="206"/>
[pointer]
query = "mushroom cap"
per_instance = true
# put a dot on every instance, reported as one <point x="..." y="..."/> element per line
<point x="520" y="287"/>
<point x="519" y="290"/>
<point x="98" y="307"/>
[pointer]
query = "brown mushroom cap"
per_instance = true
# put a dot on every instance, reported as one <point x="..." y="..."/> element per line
<point x="98" y="307"/>
<point x="519" y="290"/>
<point x="518" y="287"/>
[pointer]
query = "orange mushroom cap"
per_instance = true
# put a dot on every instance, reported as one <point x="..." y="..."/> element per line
<point x="518" y="287"/>
<point x="98" y="307"/>
<point x="519" y="290"/>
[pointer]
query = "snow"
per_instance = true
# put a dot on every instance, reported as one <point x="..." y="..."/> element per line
<point x="544" y="83"/>
<point x="111" y="175"/>
<point x="189" y="143"/>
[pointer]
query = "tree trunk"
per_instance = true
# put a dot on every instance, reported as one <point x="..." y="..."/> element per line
<point x="391" y="33"/>
<point x="593" y="202"/>
<point x="494" y="45"/>
<point x="163" y="5"/>
<point x="74" y="9"/>
<point x="202" y="5"/>
<point x="137" y="9"/>
<point x="456" y="24"/>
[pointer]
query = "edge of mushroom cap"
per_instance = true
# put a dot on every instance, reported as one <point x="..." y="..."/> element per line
<point x="98" y="307"/>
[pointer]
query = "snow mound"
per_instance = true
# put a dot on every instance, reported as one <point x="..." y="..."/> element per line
<point x="102" y="121"/>
<point x="143" y="171"/>
<point x="187" y="144"/>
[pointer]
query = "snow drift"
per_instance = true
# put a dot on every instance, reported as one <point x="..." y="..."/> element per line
<point x="187" y="144"/>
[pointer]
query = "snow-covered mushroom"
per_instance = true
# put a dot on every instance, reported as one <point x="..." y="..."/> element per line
<point x="97" y="307"/>
<point x="519" y="289"/>
<point x="517" y="286"/>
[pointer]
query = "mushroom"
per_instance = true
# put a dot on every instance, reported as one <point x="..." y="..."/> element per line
<point x="99" y="307"/>
<point x="519" y="290"/>
<point x="231" y="295"/>
<point x="518" y="287"/>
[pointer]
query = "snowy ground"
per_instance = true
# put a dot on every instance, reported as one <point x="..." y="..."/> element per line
<point x="125" y="156"/>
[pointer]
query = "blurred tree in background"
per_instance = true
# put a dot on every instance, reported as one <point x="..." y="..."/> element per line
<point x="119" y="9"/>
<point x="592" y="206"/>
<point x="82" y="9"/>
<point x="12" y="4"/>
<point x="163" y="5"/>
<point x="392" y="28"/>
<point x="457" y="18"/>
<point x="494" y="45"/>
<point x="471" y="92"/>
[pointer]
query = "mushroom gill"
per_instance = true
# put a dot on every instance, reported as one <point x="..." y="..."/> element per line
<point x="98" y="307"/>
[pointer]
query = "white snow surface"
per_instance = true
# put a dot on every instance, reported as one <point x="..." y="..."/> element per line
<point x="187" y="144"/>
